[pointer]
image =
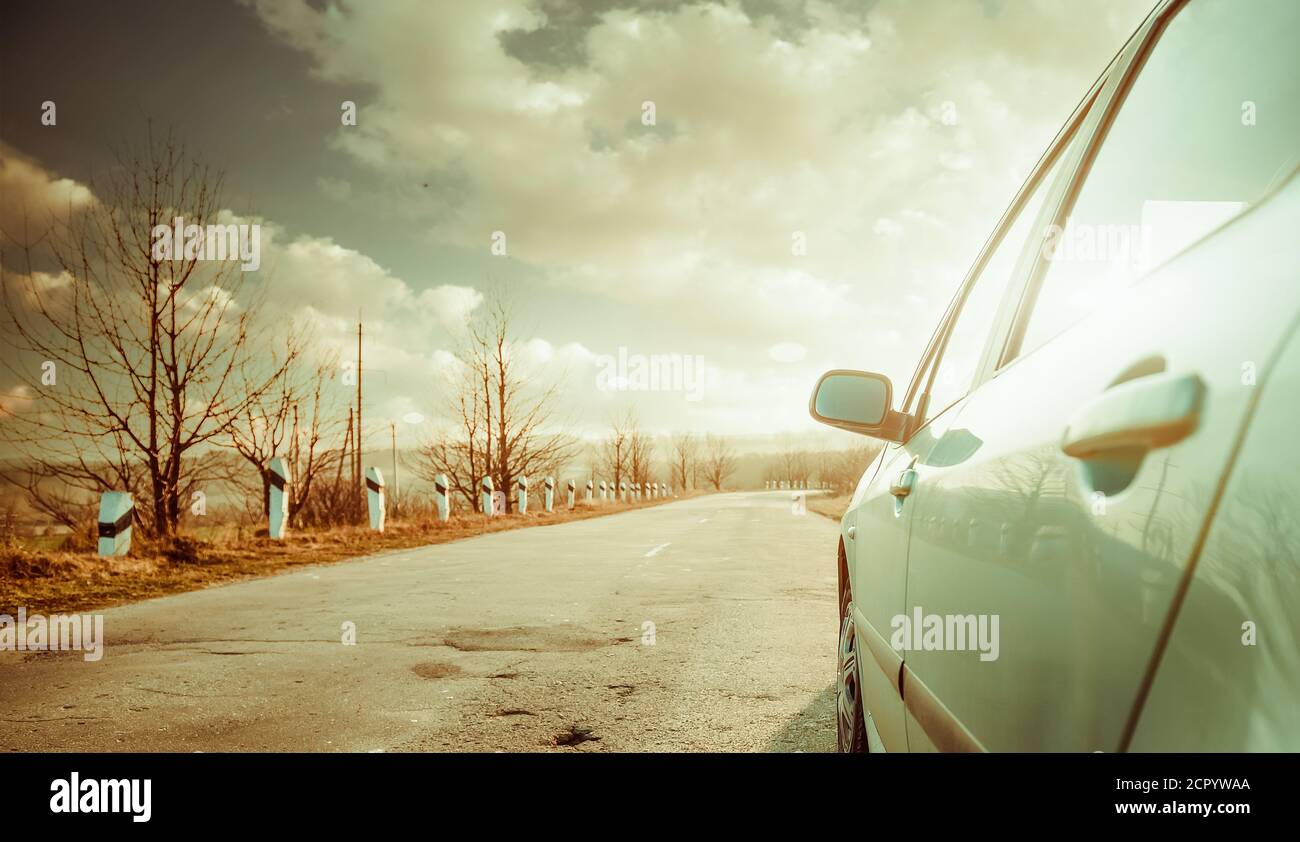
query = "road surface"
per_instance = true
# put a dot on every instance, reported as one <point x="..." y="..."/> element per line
<point x="702" y="625"/>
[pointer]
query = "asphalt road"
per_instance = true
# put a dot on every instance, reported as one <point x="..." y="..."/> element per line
<point x="529" y="640"/>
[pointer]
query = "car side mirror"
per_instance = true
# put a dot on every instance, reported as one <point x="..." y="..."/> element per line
<point x="857" y="401"/>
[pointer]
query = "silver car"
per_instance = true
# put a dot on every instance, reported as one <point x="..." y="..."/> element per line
<point x="1084" y="533"/>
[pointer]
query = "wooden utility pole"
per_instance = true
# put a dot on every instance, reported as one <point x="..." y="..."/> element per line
<point x="397" y="480"/>
<point x="347" y="448"/>
<point x="294" y="454"/>
<point x="357" y="469"/>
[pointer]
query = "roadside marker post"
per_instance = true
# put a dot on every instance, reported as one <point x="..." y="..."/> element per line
<point x="116" y="514"/>
<point x="278" y="521"/>
<point x="485" y="496"/>
<point x="589" y="486"/>
<point x="572" y="488"/>
<point x="375" y="497"/>
<point x="440" y="498"/>
<point x="622" y="488"/>
<point x="522" y="485"/>
<point x="548" y="497"/>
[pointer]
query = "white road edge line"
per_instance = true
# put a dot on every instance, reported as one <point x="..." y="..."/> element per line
<point x="656" y="550"/>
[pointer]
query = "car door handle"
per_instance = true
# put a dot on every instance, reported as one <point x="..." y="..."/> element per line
<point x="902" y="486"/>
<point x="1137" y="415"/>
<point x="852" y="532"/>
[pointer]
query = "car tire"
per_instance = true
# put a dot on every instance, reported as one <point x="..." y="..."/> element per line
<point x="850" y="719"/>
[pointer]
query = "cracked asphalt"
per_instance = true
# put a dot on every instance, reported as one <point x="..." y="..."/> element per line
<point x="702" y="625"/>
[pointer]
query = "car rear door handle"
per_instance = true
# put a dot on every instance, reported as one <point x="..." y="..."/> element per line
<point x="902" y="486"/>
<point x="852" y="532"/>
<point x="1143" y="414"/>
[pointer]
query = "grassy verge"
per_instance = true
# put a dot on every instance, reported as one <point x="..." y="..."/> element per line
<point x="49" y="581"/>
<point x="832" y="507"/>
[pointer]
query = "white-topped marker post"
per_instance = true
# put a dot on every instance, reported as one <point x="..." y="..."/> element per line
<point x="485" y="496"/>
<point x="522" y="485"/>
<point x="549" y="497"/>
<point x="441" y="498"/>
<point x="590" y="485"/>
<point x="278" y="521"/>
<point x="116" y="514"/>
<point x="572" y="486"/>
<point x="375" y="497"/>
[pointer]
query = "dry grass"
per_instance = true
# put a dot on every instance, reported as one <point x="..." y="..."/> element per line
<point x="75" y="579"/>
<point x="832" y="507"/>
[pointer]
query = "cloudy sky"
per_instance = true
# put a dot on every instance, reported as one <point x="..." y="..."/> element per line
<point x="885" y="137"/>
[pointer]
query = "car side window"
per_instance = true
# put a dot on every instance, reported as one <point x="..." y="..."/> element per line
<point x="961" y="355"/>
<point x="1209" y="126"/>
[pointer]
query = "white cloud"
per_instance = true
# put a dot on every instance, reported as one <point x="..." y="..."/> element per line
<point x="837" y="131"/>
<point x="32" y="195"/>
<point x="338" y="189"/>
<point x="890" y="136"/>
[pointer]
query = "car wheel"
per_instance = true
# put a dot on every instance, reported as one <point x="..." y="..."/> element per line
<point x="850" y="722"/>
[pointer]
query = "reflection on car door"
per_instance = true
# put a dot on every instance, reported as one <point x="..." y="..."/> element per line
<point x="1229" y="678"/>
<point x="1065" y="497"/>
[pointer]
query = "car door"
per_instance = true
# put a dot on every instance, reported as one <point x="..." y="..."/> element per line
<point x="878" y="524"/>
<point x="874" y="535"/>
<point x="1052" y="538"/>
<point x="1229" y="677"/>
<point x="875" y="543"/>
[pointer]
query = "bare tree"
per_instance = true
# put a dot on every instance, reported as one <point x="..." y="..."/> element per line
<point x="333" y="499"/>
<point x="685" y="448"/>
<point x="295" y="418"/>
<point x="719" y="460"/>
<point x="463" y="453"/>
<point x="504" y="423"/>
<point x="794" y="463"/>
<point x="615" y="450"/>
<point x="131" y="358"/>
<point x="842" y="469"/>
<point x="640" y="452"/>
